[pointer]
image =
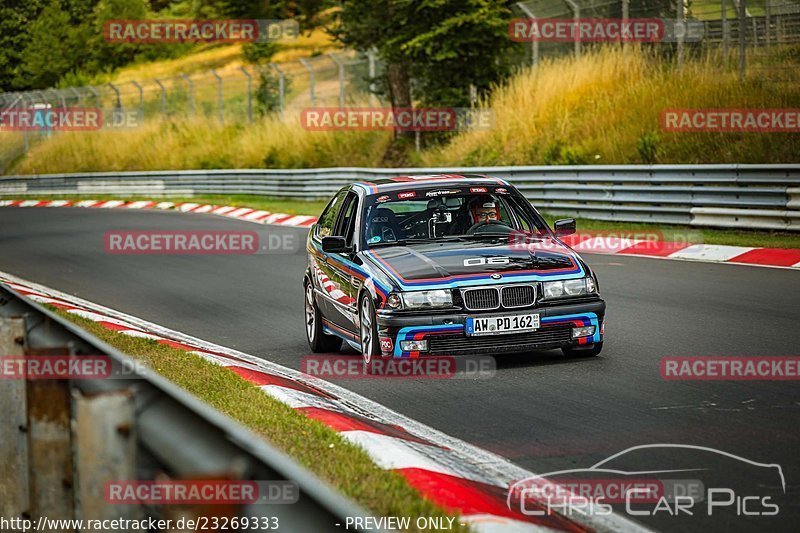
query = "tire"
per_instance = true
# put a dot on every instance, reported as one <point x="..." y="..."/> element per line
<point x="368" y="328"/>
<point x="318" y="340"/>
<point x="591" y="351"/>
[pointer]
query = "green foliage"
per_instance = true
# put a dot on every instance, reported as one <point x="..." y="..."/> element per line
<point x="267" y="94"/>
<point x="559" y="153"/>
<point x="259" y="52"/>
<point x="648" y="147"/>
<point x="443" y="45"/>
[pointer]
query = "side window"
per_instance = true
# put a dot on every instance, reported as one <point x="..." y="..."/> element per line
<point x="328" y="217"/>
<point x="345" y="226"/>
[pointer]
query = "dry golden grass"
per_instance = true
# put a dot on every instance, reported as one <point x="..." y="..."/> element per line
<point x="203" y="143"/>
<point x="597" y="108"/>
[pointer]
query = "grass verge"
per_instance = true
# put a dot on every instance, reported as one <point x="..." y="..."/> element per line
<point x="343" y="465"/>
<point x="730" y="237"/>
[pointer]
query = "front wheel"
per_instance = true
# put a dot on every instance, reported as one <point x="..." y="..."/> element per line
<point x="370" y="347"/>
<point x="591" y="351"/>
<point x="318" y="340"/>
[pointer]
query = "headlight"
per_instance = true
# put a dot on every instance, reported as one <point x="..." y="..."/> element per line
<point x="426" y="299"/>
<point x="568" y="288"/>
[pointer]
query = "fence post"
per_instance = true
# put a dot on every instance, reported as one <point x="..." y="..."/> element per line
<point x="576" y="9"/>
<point x="742" y="38"/>
<point x="14" y="496"/>
<point x="77" y="94"/>
<point x="191" y="92"/>
<point x="535" y="42"/>
<point x="141" y="98"/>
<point x="373" y="99"/>
<point x="281" y="87"/>
<point x="310" y="78"/>
<point x="163" y="96"/>
<point x="767" y="21"/>
<point x="25" y="140"/>
<point x="340" y="66"/>
<point x="59" y="96"/>
<point x="118" y="105"/>
<point x="681" y="16"/>
<point x="249" y="94"/>
<point x="725" y="29"/>
<point x="219" y="95"/>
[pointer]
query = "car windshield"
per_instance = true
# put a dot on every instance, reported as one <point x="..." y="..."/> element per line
<point x="456" y="215"/>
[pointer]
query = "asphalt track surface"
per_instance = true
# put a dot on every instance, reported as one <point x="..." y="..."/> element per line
<point x="541" y="411"/>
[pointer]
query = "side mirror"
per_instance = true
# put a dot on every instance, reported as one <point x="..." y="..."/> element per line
<point x="335" y="245"/>
<point x="564" y="227"/>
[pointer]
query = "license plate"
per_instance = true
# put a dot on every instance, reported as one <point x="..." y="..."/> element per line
<point x="498" y="325"/>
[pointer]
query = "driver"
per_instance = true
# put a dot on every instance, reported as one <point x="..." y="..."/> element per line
<point x="484" y="209"/>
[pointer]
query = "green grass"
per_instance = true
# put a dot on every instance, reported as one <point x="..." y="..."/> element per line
<point x="345" y="466"/>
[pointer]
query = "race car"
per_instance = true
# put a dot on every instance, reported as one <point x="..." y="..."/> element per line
<point x="446" y="265"/>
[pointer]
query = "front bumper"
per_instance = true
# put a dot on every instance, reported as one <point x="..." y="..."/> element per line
<point x="446" y="336"/>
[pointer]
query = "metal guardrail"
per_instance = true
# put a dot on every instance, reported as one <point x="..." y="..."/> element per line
<point x="64" y="439"/>
<point x="735" y="196"/>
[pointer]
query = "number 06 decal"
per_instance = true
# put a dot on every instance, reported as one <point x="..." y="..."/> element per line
<point x="480" y="261"/>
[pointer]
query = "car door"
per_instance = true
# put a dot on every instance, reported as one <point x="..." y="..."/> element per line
<point x="345" y="279"/>
<point x="326" y="280"/>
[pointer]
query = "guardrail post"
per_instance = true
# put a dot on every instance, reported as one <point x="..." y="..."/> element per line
<point x="306" y="64"/>
<point x="163" y="96"/>
<point x="534" y="43"/>
<point x="50" y="447"/>
<point x="281" y="87"/>
<point x="249" y="94"/>
<point x="105" y="450"/>
<point x="14" y="497"/>
<point x="219" y="95"/>
<point x="340" y="66"/>
<point x="191" y="92"/>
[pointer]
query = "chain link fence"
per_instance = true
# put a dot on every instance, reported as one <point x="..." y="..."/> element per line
<point x="229" y="95"/>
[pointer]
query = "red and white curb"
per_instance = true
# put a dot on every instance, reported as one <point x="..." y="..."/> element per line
<point x="455" y="475"/>
<point x="587" y="243"/>
<point x="242" y="213"/>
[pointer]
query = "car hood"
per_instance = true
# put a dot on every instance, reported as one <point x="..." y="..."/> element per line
<point x="475" y="263"/>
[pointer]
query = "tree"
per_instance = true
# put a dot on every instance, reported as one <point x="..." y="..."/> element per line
<point x="16" y="17"/>
<point x="444" y="46"/>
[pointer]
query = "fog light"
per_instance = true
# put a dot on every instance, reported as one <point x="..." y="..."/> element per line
<point x="586" y="331"/>
<point x="414" y="346"/>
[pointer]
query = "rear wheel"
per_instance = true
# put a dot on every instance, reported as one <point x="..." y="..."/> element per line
<point x="318" y="340"/>
<point x="589" y="351"/>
